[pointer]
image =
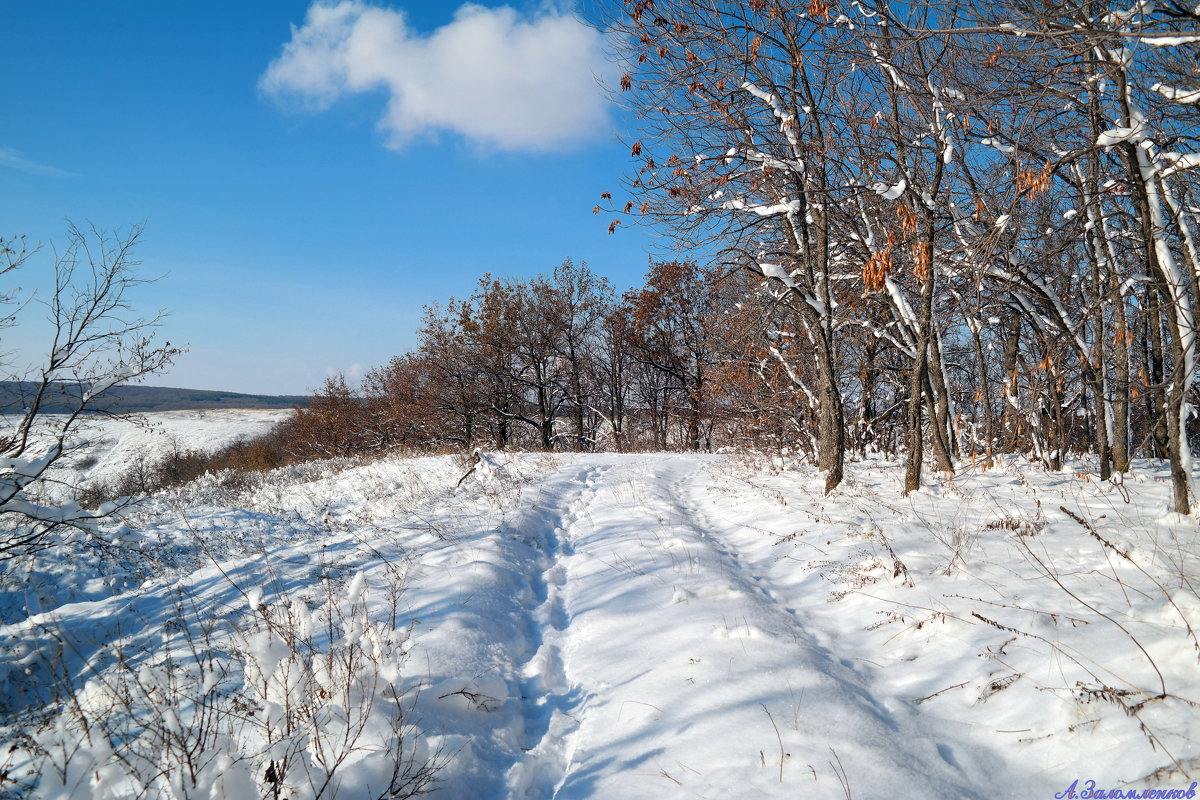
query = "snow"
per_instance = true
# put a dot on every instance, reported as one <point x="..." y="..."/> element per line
<point x="650" y="625"/>
<point x="1187" y="96"/>
<point x="104" y="448"/>
<point x="778" y="272"/>
<point x="1121" y="134"/>
<point x="1180" y="161"/>
<point x="118" y="375"/>
<point x="890" y="192"/>
<point x="1169" y="41"/>
<point x="764" y="209"/>
<point x="1115" y="136"/>
<point x="785" y="119"/>
<point x="996" y="143"/>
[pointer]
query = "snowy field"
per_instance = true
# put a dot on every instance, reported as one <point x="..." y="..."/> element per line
<point x="109" y="447"/>
<point x="603" y="626"/>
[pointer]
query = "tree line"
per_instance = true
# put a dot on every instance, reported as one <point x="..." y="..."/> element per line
<point x="555" y="362"/>
<point x="944" y="230"/>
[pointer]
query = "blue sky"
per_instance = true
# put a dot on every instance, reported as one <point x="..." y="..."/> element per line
<point x="301" y="214"/>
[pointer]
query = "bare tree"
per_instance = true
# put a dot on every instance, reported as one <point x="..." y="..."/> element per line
<point x="581" y="299"/>
<point x="97" y="342"/>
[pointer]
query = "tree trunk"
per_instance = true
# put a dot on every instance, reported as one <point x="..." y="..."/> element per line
<point x="944" y="443"/>
<point x="1180" y="318"/>
<point x="1103" y="448"/>
<point x="831" y="431"/>
<point x="546" y="426"/>
<point x="985" y="399"/>
<point x="1012" y="416"/>
<point x="1120" y="389"/>
<point x="916" y="388"/>
<point x="1058" y="431"/>
<point x="581" y="442"/>
<point x="866" y="378"/>
<point x="916" y="441"/>
<point x="938" y="412"/>
<point x="1156" y="404"/>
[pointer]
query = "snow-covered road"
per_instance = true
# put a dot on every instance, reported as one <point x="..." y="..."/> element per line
<point x="660" y="664"/>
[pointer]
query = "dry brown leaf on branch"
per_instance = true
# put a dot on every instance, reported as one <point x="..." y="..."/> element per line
<point x="922" y="253"/>
<point x="876" y="270"/>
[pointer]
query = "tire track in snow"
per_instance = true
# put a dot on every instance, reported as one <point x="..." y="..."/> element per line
<point x="907" y="723"/>
<point x="749" y="580"/>
<point x="676" y="642"/>
<point x="708" y="528"/>
<point x="548" y="694"/>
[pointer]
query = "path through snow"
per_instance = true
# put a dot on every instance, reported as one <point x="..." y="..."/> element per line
<point x="662" y="666"/>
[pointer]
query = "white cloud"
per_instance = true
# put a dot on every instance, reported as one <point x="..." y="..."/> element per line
<point x="14" y="160"/>
<point x="490" y="75"/>
<point x="353" y="373"/>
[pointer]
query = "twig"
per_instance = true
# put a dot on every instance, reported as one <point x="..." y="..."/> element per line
<point x="778" y="737"/>
<point x="840" y="772"/>
<point x="920" y="700"/>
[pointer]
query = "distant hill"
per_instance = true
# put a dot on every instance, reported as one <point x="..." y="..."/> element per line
<point x="130" y="399"/>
